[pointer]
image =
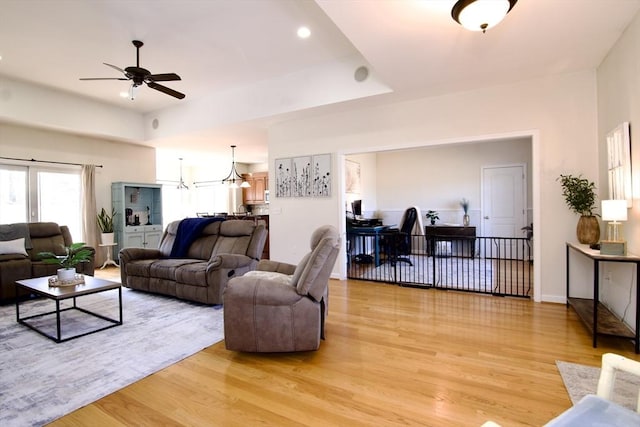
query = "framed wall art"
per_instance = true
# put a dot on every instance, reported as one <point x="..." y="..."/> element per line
<point x="322" y="175"/>
<point x="283" y="177"/>
<point x="301" y="176"/>
<point x="352" y="177"/>
<point x="619" y="163"/>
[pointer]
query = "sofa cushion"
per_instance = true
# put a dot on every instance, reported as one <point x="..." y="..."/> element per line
<point x="139" y="267"/>
<point x="192" y="274"/>
<point x="166" y="268"/>
<point x="9" y="257"/>
<point x="272" y="276"/>
<point x="15" y="246"/>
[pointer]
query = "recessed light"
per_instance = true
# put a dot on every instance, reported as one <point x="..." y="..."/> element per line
<point x="304" y="32"/>
<point x="124" y="94"/>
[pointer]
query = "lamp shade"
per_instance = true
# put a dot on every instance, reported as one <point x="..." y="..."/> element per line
<point x="614" y="210"/>
<point x="479" y="15"/>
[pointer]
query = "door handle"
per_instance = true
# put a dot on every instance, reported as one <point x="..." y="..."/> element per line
<point x="486" y="217"/>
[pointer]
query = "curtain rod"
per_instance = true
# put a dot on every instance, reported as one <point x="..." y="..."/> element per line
<point x="46" y="161"/>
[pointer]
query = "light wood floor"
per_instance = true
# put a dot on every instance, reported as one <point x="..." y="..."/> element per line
<point x="393" y="356"/>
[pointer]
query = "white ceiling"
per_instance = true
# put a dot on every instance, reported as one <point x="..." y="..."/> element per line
<point x="412" y="47"/>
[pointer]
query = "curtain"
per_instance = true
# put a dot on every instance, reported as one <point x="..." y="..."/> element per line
<point x="89" y="212"/>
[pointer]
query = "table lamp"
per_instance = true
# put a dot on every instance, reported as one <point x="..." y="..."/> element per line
<point x="614" y="211"/>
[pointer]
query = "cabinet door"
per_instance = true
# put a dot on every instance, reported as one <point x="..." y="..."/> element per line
<point x="133" y="240"/>
<point x="152" y="239"/>
<point x="248" y="194"/>
<point x="258" y="189"/>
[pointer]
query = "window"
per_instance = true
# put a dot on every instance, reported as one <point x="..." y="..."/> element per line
<point x="34" y="194"/>
<point x="13" y="194"/>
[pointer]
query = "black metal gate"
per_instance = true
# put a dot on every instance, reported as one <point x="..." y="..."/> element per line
<point x="490" y="265"/>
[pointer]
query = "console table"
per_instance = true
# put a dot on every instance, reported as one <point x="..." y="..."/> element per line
<point x="462" y="238"/>
<point x="596" y="317"/>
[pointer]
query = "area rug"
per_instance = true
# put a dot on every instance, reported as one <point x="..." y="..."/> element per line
<point x="41" y="381"/>
<point x="581" y="380"/>
<point x="450" y="272"/>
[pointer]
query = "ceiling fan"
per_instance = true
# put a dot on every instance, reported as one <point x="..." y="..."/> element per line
<point x="139" y="75"/>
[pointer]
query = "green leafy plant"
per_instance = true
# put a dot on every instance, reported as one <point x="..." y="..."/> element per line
<point x="579" y="193"/>
<point x="75" y="254"/>
<point x="105" y="221"/>
<point x="432" y="215"/>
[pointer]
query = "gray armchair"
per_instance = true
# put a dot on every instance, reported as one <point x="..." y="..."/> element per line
<point x="281" y="307"/>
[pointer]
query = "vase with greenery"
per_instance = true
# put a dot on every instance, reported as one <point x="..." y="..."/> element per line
<point x="105" y="223"/>
<point x="432" y="216"/>
<point x="74" y="255"/>
<point x="580" y="195"/>
<point x="464" y="204"/>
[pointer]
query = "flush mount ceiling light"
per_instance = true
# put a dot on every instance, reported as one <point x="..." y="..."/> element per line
<point x="304" y="32"/>
<point x="480" y="15"/>
<point x="234" y="175"/>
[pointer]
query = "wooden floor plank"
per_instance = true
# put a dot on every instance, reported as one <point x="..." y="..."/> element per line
<point x="393" y="356"/>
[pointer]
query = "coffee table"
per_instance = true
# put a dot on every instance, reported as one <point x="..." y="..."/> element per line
<point x="40" y="286"/>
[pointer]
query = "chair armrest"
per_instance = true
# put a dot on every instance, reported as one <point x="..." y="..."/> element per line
<point x="275" y="266"/>
<point x="229" y="261"/>
<point x="260" y="291"/>
<point x="130" y="254"/>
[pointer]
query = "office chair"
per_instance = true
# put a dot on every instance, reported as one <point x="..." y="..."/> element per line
<point x="397" y="242"/>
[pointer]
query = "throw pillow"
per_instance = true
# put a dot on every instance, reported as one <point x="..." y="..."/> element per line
<point x="13" y="247"/>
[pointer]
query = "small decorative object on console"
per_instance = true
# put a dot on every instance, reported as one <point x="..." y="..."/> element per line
<point x="464" y="203"/>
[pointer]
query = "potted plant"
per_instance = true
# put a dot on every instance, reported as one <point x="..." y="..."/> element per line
<point x="464" y="203"/>
<point x="74" y="255"/>
<point x="432" y="216"/>
<point x="580" y="195"/>
<point x="105" y="223"/>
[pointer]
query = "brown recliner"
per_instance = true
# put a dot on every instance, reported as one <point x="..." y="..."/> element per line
<point x="43" y="237"/>
<point x="281" y="307"/>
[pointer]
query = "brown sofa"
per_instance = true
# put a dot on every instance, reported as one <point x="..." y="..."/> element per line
<point x="220" y="251"/>
<point x="39" y="237"/>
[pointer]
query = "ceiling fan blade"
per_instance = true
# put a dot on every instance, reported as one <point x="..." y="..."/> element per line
<point x="168" y="77"/>
<point x="114" y="67"/>
<point x="166" y="90"/>
<point x="103" y="78"/>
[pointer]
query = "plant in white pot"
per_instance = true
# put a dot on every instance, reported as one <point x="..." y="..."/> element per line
<point x="74" y="255"/>
<point x="105" y="223"/>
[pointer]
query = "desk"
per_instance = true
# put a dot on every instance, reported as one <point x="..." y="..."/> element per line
<point x="596" y="317"/>
<point x="462" y="238"/>
<point x="364" y="232"/>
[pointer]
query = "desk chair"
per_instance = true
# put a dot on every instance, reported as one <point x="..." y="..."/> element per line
<point x="397" y="242"/>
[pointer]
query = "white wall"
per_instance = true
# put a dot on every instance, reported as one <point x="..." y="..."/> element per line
<point x="558" y="112"/>
<point x="41" y="106"/>
<point x="121" y="162"/>
<point x="438" y="177"/>
<point x="619" y="101"/>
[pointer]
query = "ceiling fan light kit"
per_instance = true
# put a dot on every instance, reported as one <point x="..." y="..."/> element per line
<point x="138" y="76"/>
<point x="480" y="15"/>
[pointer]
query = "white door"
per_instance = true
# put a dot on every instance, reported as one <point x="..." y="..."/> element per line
<point x="503" y="204"/>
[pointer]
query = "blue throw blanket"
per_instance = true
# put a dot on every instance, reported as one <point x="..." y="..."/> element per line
<point x="189" y="230"/>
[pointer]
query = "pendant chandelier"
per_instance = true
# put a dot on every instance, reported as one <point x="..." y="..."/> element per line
<point x="234" y="176"/>
<point x="181" y="184"/>
<point x="480" y="15"/>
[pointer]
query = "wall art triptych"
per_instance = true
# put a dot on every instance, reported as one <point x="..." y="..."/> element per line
<point x="304" y="176"/>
